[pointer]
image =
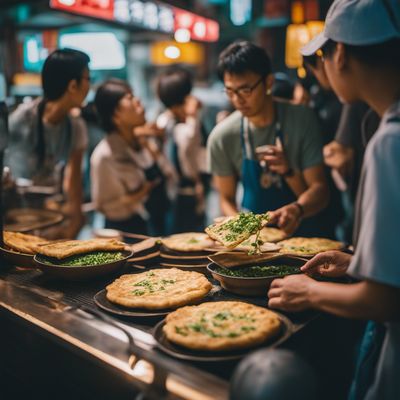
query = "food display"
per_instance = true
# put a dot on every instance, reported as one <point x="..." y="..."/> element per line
<point x="186" y="242"/>
<point x="221" y="326"/>
<point x="258" y="271"/>
<point x="233" y="231"/>
<point x="22" y="242"/>
<point x="68" y="248"/>
<point x="158" y="289"/>
<point x="302" y="246"/>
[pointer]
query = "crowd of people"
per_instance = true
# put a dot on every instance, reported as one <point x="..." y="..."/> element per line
<point x="144" y="175"/>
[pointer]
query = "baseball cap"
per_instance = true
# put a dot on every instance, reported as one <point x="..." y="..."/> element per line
<point x="358" y="23"/>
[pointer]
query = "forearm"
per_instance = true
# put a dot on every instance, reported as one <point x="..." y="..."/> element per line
<point x="363" y="300"/>
<point x="73" y="188"/>
<point x="314" y="199"/>
<point x="228" y="206"/>
<point x="296" y="184"/>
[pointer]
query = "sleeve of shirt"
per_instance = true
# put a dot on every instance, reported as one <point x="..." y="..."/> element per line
<point x="106" y="190"/>
<point x="20" y="142"/>
<point x="186" y="136"/>
<point x="376" y="256"/>
<point x="311" y="146"/>
<point x="218" y="161"/>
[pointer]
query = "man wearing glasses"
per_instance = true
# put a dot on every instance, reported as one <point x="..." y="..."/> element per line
<point x="274" y="149"/>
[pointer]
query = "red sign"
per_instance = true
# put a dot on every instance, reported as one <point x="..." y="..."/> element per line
<point x="148" y="14"/>
<point x="103" y="9"/>
<point x="200" y="28"/>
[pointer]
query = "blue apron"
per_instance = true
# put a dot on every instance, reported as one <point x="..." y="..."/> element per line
<point x="259" y="199"/>
<point x="370" y="350"/>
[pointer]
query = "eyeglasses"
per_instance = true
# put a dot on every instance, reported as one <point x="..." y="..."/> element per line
<point x="243" y="91"/>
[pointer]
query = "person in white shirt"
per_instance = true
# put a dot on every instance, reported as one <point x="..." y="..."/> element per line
<point x="362" y="62"/>
<point x="183" y="146"/>
<point x="127" y="177"/>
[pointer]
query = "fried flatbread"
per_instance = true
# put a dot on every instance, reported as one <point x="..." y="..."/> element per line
<point x="302" y="246"/>
<point x="22" y="242"/>
<point x="233" y="231"/>
<point x="269" y="234"/>
<point x="221" y="326"/>
<point x="158" y="289"/>
<point x="68" y="248"/>
<point x="248" y="245"/>
<point x="190" y="241"/>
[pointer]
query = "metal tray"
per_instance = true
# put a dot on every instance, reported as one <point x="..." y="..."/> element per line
<point x="183" y="353"/>
<point x="102" y="302"/>
<point x="28" y="219"/>
<point x="18" y="259"/>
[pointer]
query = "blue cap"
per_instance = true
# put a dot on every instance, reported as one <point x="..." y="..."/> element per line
<point x="358" y="23"/>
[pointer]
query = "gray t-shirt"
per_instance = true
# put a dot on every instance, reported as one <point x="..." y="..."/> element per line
<point x="378" y="232"/>
<point x="60" y="141"/>
<point x="302" y="140"/>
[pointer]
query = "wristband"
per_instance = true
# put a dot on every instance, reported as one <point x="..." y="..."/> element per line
<point x="300" y="207"/>
<point x="288" y="173"/>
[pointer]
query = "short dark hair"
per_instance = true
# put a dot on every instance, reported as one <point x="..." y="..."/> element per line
<point x="173" y="86"/>
<point x="241" y="57"/>
<point x="377" y="55"/>
<point x="310" y="60"/>
<point x="60" y="68"/>
<point x="106" y="100"/>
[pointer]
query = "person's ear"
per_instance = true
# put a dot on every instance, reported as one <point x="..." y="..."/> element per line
<point x="269" y="81"/>
<point x="72" y="86"/>
<point x="340" y="57"/>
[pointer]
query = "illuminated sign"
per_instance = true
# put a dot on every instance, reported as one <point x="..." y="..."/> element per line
<point x="151" y="15"/>
<point x="240" y="11"/>
<point x="200" y="28"/>
<point x="93" y="44"/>
<point x="164" y="53"/>
<point x="103" y="9"/>
<point x="148" y="14"/>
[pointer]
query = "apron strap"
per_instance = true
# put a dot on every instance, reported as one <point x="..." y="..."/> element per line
<point x="245" y="137"/>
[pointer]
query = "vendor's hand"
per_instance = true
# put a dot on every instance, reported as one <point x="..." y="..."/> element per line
<point x="149" y="129"/>
<point x="292" y="293"/>
<point x="286" y="218"/>
<point x="330" y="263"/>
<point x="276" y="160"/>
<point x="339" y="157"/>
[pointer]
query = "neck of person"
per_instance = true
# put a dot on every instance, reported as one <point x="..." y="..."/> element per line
<point x="55" y="111"/>
<point x="266" y="115"/>
<point x="382" y="91"/>
<point x="178" y="113"/>
<point x="126" y="132"/>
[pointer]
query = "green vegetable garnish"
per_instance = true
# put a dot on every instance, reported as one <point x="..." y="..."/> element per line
<point x="246" y="223"/>
<point x="259" y="271"/>
<point x="95" y="258"/>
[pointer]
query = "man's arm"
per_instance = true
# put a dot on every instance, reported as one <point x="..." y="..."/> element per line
<point x="226" y="187"/>
<point x="364" y="300"/>
<point x="73" y="189"/>
<point x="316" y="197"/>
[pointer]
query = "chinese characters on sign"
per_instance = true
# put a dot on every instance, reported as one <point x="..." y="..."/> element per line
<point x="147" y="14"/>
